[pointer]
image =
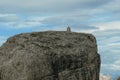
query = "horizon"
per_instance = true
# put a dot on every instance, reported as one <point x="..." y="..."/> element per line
<point x="101" y="18"/>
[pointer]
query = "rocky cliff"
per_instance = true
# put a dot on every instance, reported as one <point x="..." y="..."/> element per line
<point x="118" y="78"/>
<point x="50" y="55"/>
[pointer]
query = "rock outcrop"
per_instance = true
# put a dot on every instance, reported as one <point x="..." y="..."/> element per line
<point x="118" y="78"/>
<point x="50" y="55"/>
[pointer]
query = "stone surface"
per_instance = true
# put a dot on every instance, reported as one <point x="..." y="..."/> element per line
<point x="118" y="78"/>
<point x="50" y="55"/>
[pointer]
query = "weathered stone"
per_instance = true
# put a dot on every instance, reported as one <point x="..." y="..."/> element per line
<point x="50" y="55"/>
<point x="118" y="78"/>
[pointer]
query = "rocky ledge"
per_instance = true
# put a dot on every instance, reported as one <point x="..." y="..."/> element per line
<point x="50" y="55"/>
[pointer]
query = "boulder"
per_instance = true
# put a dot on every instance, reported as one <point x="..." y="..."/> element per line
<point x="50" y="55"/>
<point x="118" y="78"/>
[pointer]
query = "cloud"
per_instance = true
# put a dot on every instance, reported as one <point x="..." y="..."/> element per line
<point x="24" y="24"/>
<point x="111" y="68"/>
<point x="108" y="25"/>
<point x="5" y="18"/>
<point x="76" y="22"/>
<point x="3" y="39"/>
<point x="67" y="18"/>
<point x="108" y="44"/>
<point x="60" y="22"/>
<point x="62" y="10"/>
<point x="15" y="21"/>
<point x="48" y="5"/>
<point x="28" y="23"/>
<point x="114" y="66"/>
<point x="106" y="33"/>
<point x="112" y="6"/>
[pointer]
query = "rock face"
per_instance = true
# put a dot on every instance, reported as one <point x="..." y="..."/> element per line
<point x="118" y="78"/>
<point x="50" y="55"/>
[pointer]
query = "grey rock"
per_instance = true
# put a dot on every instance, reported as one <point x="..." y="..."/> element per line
<point x="50" y="55"/>
<point x="118" y="78"/>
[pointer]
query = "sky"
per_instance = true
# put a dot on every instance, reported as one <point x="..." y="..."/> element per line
<point x="99" y="17"/>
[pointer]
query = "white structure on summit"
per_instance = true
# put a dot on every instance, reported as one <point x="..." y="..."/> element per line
<point x="68" y="29"/>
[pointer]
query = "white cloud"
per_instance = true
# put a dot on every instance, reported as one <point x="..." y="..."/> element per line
<point x="4" y="18"/>
<point x="112" y="7"/>
<point x="76" y="22"/>
<point x="111" y="41"/>
<point x="107" y="25"/>
<point x="3" y="39"/>
<point x="67" y="18"/>
<point x="105" y="34"/>
<point x="117" y="62"/>
<point x="65" y="9"/>
<point x="108" y="46"/>
<point x="112" y="66"/>
<point x="44" y="6"/>
<point x="18" y="25"/>
<point x="107" y="37"/>
<point x="13" y="21"/>
<point x="24" y="24"/>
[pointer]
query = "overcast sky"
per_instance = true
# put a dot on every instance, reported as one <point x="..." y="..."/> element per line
<point x="100" y="17"/>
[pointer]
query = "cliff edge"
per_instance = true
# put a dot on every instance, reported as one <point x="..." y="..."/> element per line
<point x="50" y="55"/>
